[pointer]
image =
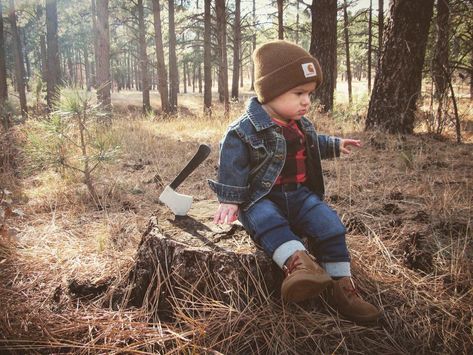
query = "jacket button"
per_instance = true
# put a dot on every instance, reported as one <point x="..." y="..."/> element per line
<point x="266" y="184"/>
<point x="279" y="156"/>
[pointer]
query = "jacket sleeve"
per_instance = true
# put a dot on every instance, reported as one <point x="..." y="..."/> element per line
<point x="329" y="146"/>
<point x="233" y="169"/>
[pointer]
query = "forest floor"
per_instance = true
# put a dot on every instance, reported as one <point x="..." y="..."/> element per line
<point x="406" y="200"/>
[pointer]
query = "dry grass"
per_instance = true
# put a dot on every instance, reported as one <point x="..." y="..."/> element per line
<point x="407" y="202"/>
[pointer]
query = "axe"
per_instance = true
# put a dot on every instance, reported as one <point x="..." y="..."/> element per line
<point x="178" y="203"/>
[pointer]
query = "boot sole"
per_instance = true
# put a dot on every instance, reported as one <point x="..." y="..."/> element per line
<point x="308" y="287"/>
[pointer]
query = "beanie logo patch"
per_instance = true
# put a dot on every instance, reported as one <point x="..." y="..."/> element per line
<point x="309" y="70"/>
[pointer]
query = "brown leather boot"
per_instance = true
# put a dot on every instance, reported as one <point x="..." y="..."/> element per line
<point x="344" y="297"/>
<point x="305" y="279"/>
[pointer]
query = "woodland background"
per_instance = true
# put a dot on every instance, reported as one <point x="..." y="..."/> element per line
<point x="103" y="102"/>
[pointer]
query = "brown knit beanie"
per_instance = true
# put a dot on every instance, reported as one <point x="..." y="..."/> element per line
<point x="281" y="65"/>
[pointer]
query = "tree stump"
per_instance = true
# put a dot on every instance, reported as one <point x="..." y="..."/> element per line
<point x="190" y="256"/>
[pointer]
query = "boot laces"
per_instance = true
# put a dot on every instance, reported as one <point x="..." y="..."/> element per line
<point x="293" y="264"/>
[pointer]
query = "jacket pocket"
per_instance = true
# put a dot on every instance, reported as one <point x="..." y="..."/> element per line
<point x="259" y="154"/>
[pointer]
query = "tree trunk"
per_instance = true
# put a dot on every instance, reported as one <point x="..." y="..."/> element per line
<point x="173" y="74"/>
<point x="323" y="46"/>
<point x="103" y="57"/>
<point x="42" y="45"/>
<point x="440" y="65"/>
<point x="347" y="50"/>
<point x="297" y="22"/>
<point x="184" y="76"/>
<point x="79" y="66"/>
<point x="194" y="76"/>
<point x="236" y="51"/>
<point x="87" y="68"/>
<point x="19" y="63"/>
<point x="252" y="86"/>
<point x="161" y="66"/>
<point x="3" y="70"/>
<point x="222" y="54"/>
<point x="128" y="70"/>
<point x="26" y="58"/>
<point x="370" y="40"/>
<point x="471" y="74"/>
<point x="204" y="260"/>
<point x="207" y="58"/>
<point x="242" y="53"/>
<point x="143" y="57"/>
<point x="398" y="81"/>
<point x="199" y="76"/>
<point x="280" y="19"/>
<point x="380" y="27"/>
<point x="70" y="72"/>
<point x="189" y="77"/>
<point x="93" y="11"/>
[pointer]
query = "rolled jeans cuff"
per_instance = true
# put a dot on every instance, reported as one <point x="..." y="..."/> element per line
<point x="285" y="250"/>
<point x="337" y="269"/>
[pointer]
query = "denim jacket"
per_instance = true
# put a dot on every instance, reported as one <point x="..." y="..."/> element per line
<point x="253" y="152"/>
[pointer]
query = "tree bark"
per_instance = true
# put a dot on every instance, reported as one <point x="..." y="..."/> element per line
<point x="103" y="57"/>
<point x="173" y="74"/>
<point x="143" y="57"/>
<point x="370" y="40"/>
<point x="3" y="70"/>
<point x="398" y="80"/>
<point x="440" y="58"/>
<point x="19" y="63"/>
<point x="207" y="58"/>
<point x="161" y="66"/>
<point x="222" y="54"/>
<point x="324" y="47"/>
<point x="280" y="19"/>
<point x="236" y="51"/>
<point x="380" y="27"/>
<point x="347" y="50"/>
<point x="471" y="74"/>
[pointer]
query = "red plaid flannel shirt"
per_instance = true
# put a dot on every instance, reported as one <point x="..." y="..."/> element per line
<point x="294" y="170"/>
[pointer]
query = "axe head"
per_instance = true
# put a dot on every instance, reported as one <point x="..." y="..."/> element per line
<point x="178" y="203"/>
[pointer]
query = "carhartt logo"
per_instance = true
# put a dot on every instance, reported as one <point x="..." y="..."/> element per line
<point x="309" y="70"/>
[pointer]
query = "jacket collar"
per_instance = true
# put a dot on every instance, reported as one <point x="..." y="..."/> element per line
<point x="261" y="120"/>
<point x="257" y="115"/>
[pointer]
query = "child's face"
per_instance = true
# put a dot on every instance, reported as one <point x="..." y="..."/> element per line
<point x="291" y="105"/>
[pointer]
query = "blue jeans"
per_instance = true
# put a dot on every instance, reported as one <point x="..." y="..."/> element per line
<point x="283" y="216"/>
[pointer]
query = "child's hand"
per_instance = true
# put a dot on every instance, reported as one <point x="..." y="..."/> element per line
<point x="346" y="143"/>
<point x="226" y="211"/>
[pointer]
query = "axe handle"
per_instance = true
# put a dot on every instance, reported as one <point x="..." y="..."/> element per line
<point x="197" y="159"/>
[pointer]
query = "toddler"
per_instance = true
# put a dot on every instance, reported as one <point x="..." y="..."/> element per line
<point x="270" y="179"/>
